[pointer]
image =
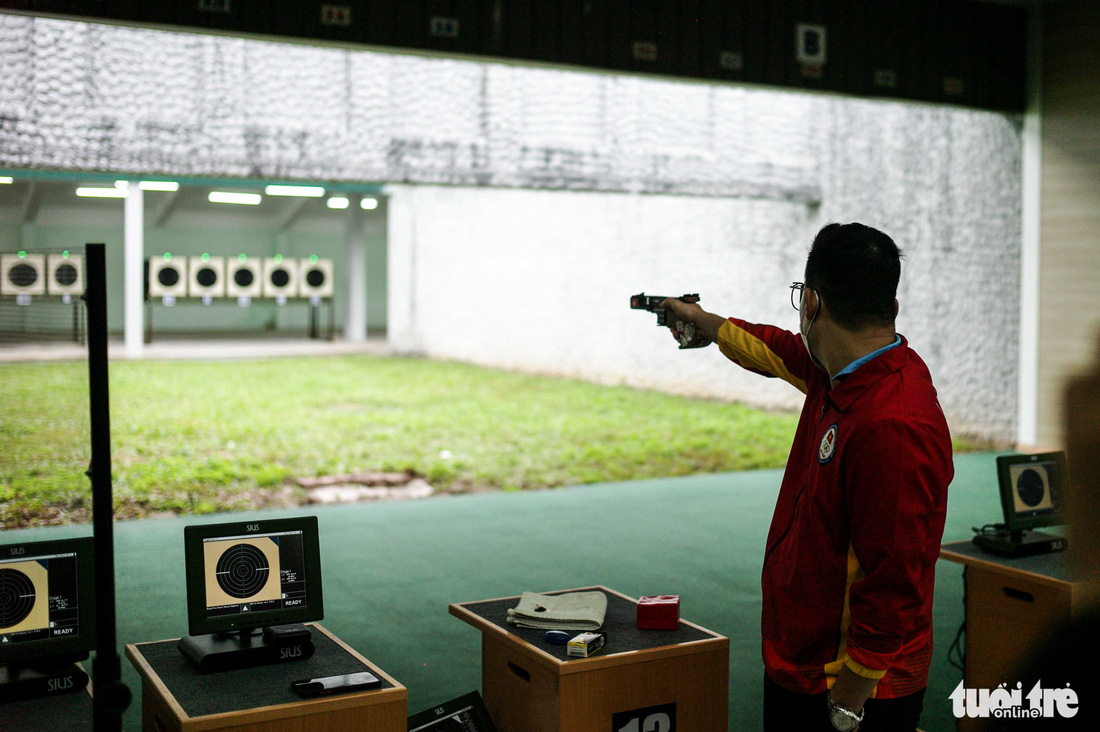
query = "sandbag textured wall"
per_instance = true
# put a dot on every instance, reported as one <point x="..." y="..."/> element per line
<point x="526" y="257"/>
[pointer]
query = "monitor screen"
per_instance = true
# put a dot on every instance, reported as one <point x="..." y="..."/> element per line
<point x="252" y="574"/>
<point x="47" y="600"/>
<point x="1031" y="489"/>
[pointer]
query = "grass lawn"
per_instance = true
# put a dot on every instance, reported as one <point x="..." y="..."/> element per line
<point x="204" y="437"/>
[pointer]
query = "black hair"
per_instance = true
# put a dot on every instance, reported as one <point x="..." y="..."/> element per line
<point x="856" y="270"/>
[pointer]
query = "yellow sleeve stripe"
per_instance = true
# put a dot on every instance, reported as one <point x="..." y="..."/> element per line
<point x="867" y="673"/>
<point x="746" y="349"/>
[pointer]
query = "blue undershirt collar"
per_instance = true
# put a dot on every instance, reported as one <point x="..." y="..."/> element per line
<point x="869" y="357"/>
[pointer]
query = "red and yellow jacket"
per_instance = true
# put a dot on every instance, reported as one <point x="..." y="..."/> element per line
<point x="850" y="561"/>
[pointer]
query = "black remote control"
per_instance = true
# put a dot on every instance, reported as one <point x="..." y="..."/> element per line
<point x="288" y="632"/>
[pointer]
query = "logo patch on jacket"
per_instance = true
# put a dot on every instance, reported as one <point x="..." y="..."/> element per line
<point x="827" y="448"/>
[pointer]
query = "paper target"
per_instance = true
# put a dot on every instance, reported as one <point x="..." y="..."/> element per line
<point x="316" y="278"/>
<point x="243" y="277"/>
<point x="242" y="571"/>
<point x="17" y="595"/>
<point x="167" y="277"/>
<point x="23" y="275"/>
<point x="206" y="277"/>
<point x="65" y="274"/>
<point x="280" y="277"/>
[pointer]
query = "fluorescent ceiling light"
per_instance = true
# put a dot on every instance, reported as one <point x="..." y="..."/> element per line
<point x="337" y="202"/>
<point x="302" y="191"/>
<point x="150" y="185"/>
<point x="248" y="199"/>
<point x="5" y="180"/>
<point x="159" y="185"/>
<point x="101" y="192"/>
<point x="369" y="204"/>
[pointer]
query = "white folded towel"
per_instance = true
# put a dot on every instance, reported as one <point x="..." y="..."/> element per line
<point x="571" y="611"/>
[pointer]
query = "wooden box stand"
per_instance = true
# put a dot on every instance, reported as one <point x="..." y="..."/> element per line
<point x="177" y="697"/>
<point x="1010" y="605"/>
<point x="532" y="686"/>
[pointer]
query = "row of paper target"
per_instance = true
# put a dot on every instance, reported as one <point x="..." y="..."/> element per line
<point x="26" y="273"/>
<point x="239" y="277"/>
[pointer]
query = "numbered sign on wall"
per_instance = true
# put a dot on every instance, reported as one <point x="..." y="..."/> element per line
<point x="23" y="274"/>
<point x="661" y="718"/>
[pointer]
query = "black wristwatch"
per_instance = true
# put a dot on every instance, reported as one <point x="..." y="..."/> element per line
<point x="844" y="720"/>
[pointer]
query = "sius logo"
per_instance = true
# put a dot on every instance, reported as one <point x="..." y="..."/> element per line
<point x="1004" y="704"/>
<point x="18" y="551"/>
<point x="290" y="652"/>
<point x="65" y="682"/>
<point x="252" y="527"/>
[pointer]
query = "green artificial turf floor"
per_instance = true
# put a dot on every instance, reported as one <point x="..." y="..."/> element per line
<point x="391" y="569"/>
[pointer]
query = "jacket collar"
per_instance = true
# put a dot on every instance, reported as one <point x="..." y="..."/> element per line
<point x="852" y="386"/>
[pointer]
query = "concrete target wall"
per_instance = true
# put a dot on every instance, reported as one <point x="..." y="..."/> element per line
<point x="528" y="203"/>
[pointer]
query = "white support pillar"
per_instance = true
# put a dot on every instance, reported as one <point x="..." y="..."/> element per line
<point x="1027" y="398"/>
<point x="355" y="319"/>
<point x="134" y="279"/>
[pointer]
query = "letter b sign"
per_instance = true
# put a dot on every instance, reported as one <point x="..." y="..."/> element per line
<point x="650" y="719"/>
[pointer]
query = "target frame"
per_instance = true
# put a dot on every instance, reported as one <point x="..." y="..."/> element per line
<point x="9" y="262"/>
<point x="27" y="558"/>
<point x="197" y="539"/>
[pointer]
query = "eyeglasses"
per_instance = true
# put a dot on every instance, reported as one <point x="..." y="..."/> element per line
<point x="798" y="289"/>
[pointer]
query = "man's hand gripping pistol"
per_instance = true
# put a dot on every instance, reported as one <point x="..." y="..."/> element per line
<point x="684" y="331"/>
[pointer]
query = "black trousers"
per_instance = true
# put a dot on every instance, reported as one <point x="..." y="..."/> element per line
<point x="789" y="711"/>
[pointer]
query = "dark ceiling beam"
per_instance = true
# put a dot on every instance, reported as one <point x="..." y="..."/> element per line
<point x="162" y="214"/>
<point x="291" y="214"/>
<point x="31" y="203"/>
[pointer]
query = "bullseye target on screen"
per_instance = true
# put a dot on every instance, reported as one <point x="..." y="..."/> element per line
<point x="66" y="274"/>
<point x="23" y="274"/>
<point x="1031" y="488"/>
<point x="241" y="571"/>
<point x="24" y="597"/>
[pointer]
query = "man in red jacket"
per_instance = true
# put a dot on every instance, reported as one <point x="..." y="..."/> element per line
<point x="849" y="566"/>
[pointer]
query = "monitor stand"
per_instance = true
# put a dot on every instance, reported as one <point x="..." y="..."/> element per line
<point x="244" y="648"/>
<point x="1021" y="543"/>
<point x="32" y="679"/>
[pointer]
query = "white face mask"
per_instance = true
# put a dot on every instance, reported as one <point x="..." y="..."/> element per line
<point x="806" y="333"/>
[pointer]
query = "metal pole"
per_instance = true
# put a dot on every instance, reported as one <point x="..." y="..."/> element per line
<point x="110" y="696"/>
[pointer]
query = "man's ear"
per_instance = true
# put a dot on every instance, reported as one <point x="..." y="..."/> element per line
<point x="895" y="308"/>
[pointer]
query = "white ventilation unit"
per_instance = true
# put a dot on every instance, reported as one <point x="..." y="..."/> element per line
<point x="65" y="274"/>
<point x="206" y="276"/>
<point x="280" y="277"/>
<point x="23" y="274"/>
<point x="315" y="277"/>
<point x="167" y="276"/>
<point x="244" y="277"/>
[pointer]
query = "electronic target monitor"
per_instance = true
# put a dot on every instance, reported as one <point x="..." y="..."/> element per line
<point x="252" y="574"/>
<point x="47" y="600"/>
<point x="1031" y="489"/>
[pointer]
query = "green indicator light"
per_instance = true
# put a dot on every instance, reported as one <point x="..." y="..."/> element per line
<point x="278" y="259"/>
<point x="242" y="257"/>
<point x="167" y="256"/>
<point x="22" y="255"/>
<point x="313" y="259"/>
<point x="205" y="257"/>
<point x="65" y="254"/>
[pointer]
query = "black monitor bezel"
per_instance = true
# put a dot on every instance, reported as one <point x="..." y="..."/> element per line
<point x="197" y="621"/>
<point x="75" y="648"/>
<point x="1013" y="520"/>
